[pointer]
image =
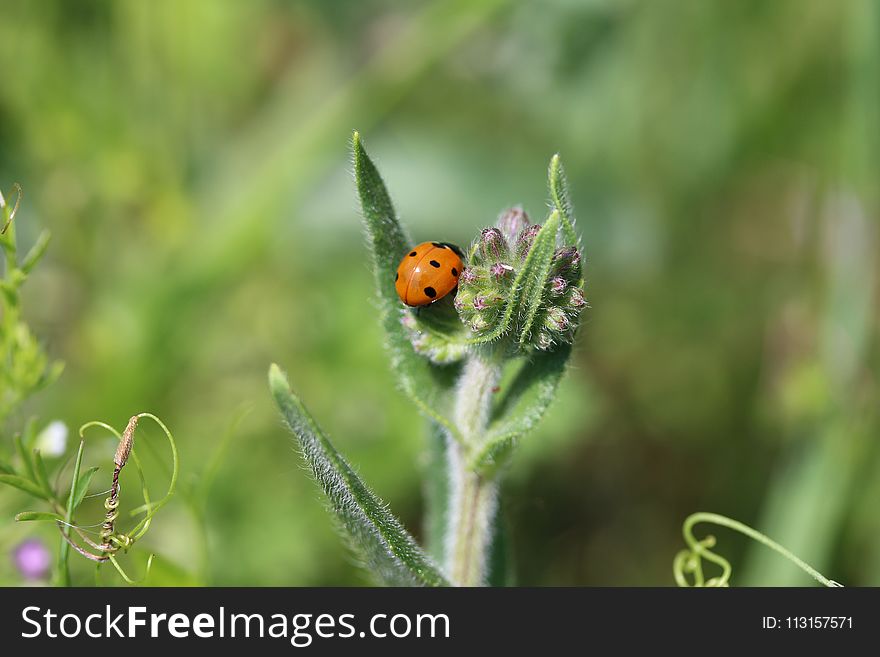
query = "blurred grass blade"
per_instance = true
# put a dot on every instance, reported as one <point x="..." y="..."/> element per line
<point x="528" y="295"/>
<point x="37" y="251"/>
<point x="558" y="185"/>
<point x="523" y="405"/>
<point x="391" y="553"/>
<point x="23" y="484"/>
<point x="424" y="383"/>
<point x="37" y="516"/>
<point x="82" y="486"/>
<point x="42" y="476"/>
<point x="25" y="458"/>
<point x="5" y="468"/>
<point x="436" y="491"/>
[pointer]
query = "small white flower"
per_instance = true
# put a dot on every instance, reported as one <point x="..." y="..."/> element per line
<point x="52" y="440"/>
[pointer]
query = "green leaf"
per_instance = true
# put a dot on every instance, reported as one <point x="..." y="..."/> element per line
<point x="558" y="185"/>
<point x="389" y="550"/>
<point x="37" y="516"/>
<point x="23" y="484"/>
<point x="5" y="468"/>
<point x="426" y="384"/>
<point x="522" y="405"/>
<point x="82" y="486"/>
<point x="36" y="253"/>
<point x="528" y="294"/>
<point x="25" y="458"/>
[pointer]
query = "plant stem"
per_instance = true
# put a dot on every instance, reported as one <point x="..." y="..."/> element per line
<point x="473" y="497"/>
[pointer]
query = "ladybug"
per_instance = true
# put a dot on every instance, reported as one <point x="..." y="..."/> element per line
<point x="428" y="273"/>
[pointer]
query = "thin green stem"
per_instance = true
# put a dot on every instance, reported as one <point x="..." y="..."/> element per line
<point x="63" y="573"/>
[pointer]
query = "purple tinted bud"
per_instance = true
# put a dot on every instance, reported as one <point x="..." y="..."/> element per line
<point x="511" y="223"/>
<point x="481" y="303"/>
<point x="557" y="285"/>
<point x="557" y="320"/>
<point x="567" y="263"/>
<point x="493" y="246"/>
<point x="525" y="239"/>
<point x="32" y="559"/>
<point x="499" y="270"/>
<point x="408" y="321"/>
<point x="468" y="276"/>
<point x="576" y="298"/>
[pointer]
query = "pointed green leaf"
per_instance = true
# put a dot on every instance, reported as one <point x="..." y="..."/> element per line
<point x="529" y="293"/>
<point x="23" y="484"/>
<point x="562" y="201"/>
<point x="522" y="405"/>
<point x="26" y="461"/>
<point x="37" y="516"/>
<point x="424" y="382"/>
<point x="389" y="550"/>
<point x="82" y="486"/>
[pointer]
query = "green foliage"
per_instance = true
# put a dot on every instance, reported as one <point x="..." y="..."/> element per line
<point x="464" y="450"/>
<point x="26" y="368"/>
<point x="424" y="382"/>
<point x="388" y="550"/>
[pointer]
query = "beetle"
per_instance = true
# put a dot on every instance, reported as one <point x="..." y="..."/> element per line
<point x="428" y="272"/>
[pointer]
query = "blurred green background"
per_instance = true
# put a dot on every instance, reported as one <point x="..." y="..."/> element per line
<point x="191" y="161"/>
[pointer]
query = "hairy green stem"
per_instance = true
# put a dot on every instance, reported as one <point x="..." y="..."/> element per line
<point x="473" y="497"/>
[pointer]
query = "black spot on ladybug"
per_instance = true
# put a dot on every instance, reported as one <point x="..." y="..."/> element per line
<point x="412" y="255"/>
<point x="454" y="272"/>
<point x="396" y="276"/>
<point x="438" y="245"/>
<point x="430" y="292"/>
<point x="435" y="264"/>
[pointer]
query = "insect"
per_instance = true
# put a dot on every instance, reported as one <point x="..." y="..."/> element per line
<point x="428" y="273"/>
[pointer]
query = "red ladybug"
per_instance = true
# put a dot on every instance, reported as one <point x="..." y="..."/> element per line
<point x="428" y="273"/>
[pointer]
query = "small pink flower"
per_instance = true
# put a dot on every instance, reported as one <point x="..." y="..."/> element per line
<point x="32" y="559"/>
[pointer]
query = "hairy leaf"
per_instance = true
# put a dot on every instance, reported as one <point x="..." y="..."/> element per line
<point x="558" y="185"/>
<point x="528" y="286"/>
<point x="424" y="383"/>
<point x="528" y="295"/>
<point x="523" y="404"/>
<point x="391" y="553"/>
